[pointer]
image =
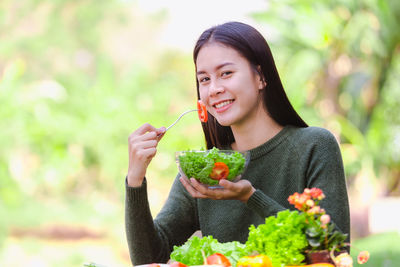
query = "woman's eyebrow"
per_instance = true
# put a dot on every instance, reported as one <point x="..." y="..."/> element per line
<point x="216" y="68"/>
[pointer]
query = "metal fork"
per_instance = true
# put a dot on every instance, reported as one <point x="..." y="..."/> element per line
<point x="184" y="113"/>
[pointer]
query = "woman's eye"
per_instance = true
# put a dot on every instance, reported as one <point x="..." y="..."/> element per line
<point x="226" y="73"/>
<point x="203" y="79"/>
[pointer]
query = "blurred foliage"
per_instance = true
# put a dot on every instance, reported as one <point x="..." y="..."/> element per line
<point x="77" y="77"/>
<point x="340" y="64"/>
<point x="384" y="249"/>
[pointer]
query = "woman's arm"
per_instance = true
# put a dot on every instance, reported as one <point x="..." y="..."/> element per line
<point x="152" y="241"/>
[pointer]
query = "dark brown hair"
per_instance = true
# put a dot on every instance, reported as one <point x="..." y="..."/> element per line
<point x="252" y="45"/>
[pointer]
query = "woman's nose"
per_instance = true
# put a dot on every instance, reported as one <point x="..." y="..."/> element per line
<point x="215" y="88"/>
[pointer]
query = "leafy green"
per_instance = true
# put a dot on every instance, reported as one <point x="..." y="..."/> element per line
<point x="281" y="238"/>
<point x="190" y="253"/>
<point x="199" y="164"/>
<point x="320" y="238"/>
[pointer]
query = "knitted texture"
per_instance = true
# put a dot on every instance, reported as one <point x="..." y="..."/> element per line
<point x="294" y="159"/>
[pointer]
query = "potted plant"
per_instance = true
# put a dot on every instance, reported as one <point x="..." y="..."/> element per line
<point x="325" y="242"/>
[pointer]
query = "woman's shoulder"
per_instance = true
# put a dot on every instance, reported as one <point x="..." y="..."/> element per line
<point x="312" y="135"/>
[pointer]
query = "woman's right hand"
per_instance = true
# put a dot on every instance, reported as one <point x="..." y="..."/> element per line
<point x="142" y="148"/>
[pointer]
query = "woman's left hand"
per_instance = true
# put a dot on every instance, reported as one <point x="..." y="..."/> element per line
<point x="240" y="190"/>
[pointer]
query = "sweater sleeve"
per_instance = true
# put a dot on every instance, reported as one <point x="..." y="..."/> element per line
<point x="263" y="205"/>
<point x="152" y="241"/>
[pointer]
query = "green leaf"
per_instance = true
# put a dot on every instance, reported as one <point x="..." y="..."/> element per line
<point x="314" y="242"/>
<point x="281" y="238"/>
<point x="313" y="231"/>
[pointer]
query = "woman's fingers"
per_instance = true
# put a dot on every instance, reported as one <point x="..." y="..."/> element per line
<point x="192" y="191"/>
<point x="142" y="148"/>
<point x="147" y="127"/>
<point x="160" y="132"/>
<point x="213" y="193"/>
<point x="241" y="190"/>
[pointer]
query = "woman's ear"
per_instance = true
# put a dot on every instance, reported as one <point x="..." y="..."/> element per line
<point x="261" y="83"/>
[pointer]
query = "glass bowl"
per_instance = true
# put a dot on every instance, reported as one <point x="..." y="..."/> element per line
<point x="209" y="166"/>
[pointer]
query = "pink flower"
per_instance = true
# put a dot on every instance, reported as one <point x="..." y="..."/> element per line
<point x="363" y="257"/>
<point x="314" y="210"/>
<point x="325" y="219"/>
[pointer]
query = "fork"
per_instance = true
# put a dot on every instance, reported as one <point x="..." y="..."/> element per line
<point x="184" y="113"/>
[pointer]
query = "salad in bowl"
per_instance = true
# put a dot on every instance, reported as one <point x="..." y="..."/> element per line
<point x="210" y="166"/>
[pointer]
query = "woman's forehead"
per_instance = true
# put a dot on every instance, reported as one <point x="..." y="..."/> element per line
<point x="216" y="54"/>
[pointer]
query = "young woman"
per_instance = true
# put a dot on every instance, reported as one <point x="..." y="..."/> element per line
<point x="248" y="111"/>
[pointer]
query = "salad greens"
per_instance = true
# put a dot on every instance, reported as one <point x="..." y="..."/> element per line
<point x="199" y="164"/>
<point x="190" y="253"/>
<point x="281" y="238"/>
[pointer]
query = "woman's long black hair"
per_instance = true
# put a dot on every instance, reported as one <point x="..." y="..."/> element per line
<point x="252" y="45"/>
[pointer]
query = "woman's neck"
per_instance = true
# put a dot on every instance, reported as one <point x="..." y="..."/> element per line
<point x="255" y="132"/>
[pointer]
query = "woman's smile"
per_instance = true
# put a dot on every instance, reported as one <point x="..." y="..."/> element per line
<point x="223" y="105"/>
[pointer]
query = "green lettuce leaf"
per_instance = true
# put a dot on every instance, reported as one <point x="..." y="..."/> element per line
<point x="199" y="164"/>
<point x="281" y="238"/>
<point x="190" y="253"/>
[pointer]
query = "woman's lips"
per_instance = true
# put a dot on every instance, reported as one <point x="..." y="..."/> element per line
<point x="222" y="105"/>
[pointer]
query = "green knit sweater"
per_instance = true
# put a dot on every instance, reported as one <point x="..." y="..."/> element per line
<point x="294" y="159"/>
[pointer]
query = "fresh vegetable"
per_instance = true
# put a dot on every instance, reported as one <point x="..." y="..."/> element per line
<point x="202" y="111"/>
<point x="191" y="252"/>
<point x="322" y="264"/>
<point x="218" y="259"/>
<point x="259" y="260"/>
<point x="200" y="164"/>
<point x="220" y="171"/>
<point x="281" y="238"/>
<point x="177" y="264"/>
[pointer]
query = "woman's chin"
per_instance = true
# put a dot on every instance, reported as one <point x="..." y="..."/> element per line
<point x="225" y="122"/>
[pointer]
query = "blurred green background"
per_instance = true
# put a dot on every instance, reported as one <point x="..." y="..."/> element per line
<point x="77" y="77"/>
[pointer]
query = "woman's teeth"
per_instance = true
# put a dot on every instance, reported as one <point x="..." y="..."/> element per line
<point x="222" y="104"/>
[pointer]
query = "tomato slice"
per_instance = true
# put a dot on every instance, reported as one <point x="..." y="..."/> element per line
<point x="218" y="259"/>
<point x="220" y="171"/>
<point x="177" y="264"/>
<point x="202" y="111"/>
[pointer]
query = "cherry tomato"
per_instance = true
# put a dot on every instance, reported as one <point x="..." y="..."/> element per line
<point x="322" y="264"/>
<point x="202" y="111"/>
<point x="177" y="264"/>
<point x="254" y="261"/>
<point x="220" y="171"/>
<point x="217" y="259"/>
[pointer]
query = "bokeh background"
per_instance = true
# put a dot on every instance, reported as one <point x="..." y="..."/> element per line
<point x="77" y="77"/>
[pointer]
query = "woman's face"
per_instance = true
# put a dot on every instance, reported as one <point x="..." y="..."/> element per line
<point x="228" y="86"/>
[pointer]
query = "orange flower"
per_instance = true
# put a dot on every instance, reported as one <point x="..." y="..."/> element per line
<point x="363" y="257"/>
<point x="293" y="198"/>
<point x="317" y="193"/>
